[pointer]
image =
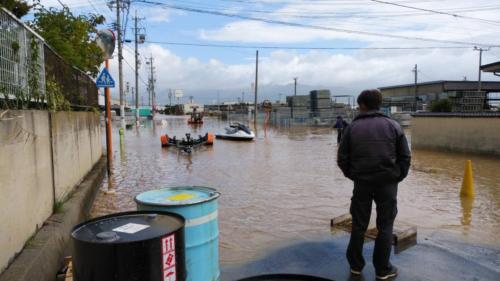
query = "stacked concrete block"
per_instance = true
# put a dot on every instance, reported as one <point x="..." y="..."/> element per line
<point x="298" y="101"/>
<point x="321" y="104"/>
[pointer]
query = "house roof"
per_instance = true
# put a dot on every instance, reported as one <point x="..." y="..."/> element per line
<point x="491" y="67"/>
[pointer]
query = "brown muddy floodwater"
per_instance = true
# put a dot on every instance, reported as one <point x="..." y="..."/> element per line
<point x="286" y="186"/>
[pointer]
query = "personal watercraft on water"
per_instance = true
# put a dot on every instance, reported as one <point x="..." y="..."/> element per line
<point x="187" y="144"/>
<point x="237" y="131"/>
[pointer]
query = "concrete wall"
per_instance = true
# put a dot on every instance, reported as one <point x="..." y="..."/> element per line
<point x="28" y="188"/>
<point x="76" y="148"/>
<point x="476" y="134"/>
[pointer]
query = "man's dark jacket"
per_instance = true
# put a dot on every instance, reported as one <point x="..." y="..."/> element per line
<point x="374" y="150"/>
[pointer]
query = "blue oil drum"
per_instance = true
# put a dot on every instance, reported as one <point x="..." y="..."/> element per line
<point x="198" y="205"/>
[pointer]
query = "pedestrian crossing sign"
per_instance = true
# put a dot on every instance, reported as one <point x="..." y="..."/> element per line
<point x="105" y="80"/>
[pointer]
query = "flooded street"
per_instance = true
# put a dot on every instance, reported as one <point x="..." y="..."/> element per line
<point x="286" y="185"/>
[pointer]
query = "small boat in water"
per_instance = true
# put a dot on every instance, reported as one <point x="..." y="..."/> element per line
<point x="237" y="131"/>
<point x="196" y="117"/>
<point x="187" y="144"/>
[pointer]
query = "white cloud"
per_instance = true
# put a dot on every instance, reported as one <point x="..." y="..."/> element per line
<point x="154" y="14"/>
<point x="342" y="73"/>
<point x="252" y="31"/>
<point x="371" y="17"/>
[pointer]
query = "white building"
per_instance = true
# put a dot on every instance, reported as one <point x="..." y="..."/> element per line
<point x="188" y="107"/>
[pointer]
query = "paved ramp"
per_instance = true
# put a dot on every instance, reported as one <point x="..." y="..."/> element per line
<point x="434" y="258"/>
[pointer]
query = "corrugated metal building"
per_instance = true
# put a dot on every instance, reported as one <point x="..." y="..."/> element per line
<point x="463" y="94"/>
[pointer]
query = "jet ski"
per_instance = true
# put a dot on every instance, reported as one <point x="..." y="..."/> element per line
<point x="237" y="131"/>
<point x="187" y="144"/>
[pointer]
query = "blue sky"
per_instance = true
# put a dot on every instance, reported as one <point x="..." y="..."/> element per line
<point x="205" y="71"/>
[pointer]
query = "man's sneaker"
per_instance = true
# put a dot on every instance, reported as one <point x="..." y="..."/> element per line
<point x="355" y="272"/>
<point x="392" y="273"/>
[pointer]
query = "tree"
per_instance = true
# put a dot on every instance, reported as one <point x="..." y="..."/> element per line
<point x="71" y="36"/>
<point x="443" y="105"/>
<point x="18" y="8"/>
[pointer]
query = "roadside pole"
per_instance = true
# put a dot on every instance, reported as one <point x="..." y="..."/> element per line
<point x="255" y="89"/>
<point x="109" y="148"/>
<point x="106" y="41"/>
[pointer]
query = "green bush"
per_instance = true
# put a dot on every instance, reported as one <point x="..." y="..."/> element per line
<point x="443" y="105"/>
<point x="55" y="97"/>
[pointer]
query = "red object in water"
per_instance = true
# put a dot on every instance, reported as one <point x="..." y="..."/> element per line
<point x="191" y="121"/>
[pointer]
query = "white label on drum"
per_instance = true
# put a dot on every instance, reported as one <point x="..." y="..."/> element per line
<point x="131" y="228"/>
<point x="168" y="261"/>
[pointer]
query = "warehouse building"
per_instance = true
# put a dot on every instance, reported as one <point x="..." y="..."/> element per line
<point x="464" y="95"/>
<point x="492" y="67"/>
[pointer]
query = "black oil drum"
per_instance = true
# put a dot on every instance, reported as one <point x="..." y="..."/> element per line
<point x="284" y="277"/>
<point x="130" y="246"/>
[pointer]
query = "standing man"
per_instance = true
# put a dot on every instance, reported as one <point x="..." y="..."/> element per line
<point x="374" y="154"/>
<point x="340" y="125"/>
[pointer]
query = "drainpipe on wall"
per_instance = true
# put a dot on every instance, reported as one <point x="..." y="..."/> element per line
<point x="52" y="166"/>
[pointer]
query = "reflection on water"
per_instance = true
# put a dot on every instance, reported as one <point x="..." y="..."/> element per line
<point x="466" y="203"/>
<point x="286" y="185"/>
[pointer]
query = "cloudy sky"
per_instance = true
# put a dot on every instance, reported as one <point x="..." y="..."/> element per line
<point x="363" y="37"/>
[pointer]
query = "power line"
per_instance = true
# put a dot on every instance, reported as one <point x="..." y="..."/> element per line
<point x="328" y="14"/>
<point x="301" y="11"/>
<point x="301" y="48"/>
<point x="131" y="67"/>
<point x="438" y="12"/>
<point x="309" y="26"/>
<point x="93" y="6"/>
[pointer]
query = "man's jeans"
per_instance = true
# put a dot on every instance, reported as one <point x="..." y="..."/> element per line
<point x="361" y="207"/>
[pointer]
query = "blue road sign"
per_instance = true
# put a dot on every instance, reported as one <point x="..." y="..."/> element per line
<point x="105" y="80"/>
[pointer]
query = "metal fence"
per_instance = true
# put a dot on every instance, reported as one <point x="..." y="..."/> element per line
<point x="27" y="62"/>
<point x="22" y="76"/>
<point x="77" y="87"/>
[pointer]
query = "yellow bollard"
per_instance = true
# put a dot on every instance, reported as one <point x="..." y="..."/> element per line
<point x="468" y="181"/>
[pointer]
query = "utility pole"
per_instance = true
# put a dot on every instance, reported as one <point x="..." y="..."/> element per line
<point x="481" y="50"/>
<point x="151" y="86"/>
<point x="256" y="86"/>
<point x="295" y="86"/>
<point x="218" y="101"/>
<point x="242" y="97"/>
<point x="294" y="94"/>
<point x="415" y="70"/>
<point x="127" y="91"/>
<point x="132" y="96"/>
<point x="137" y="40"/>
<point x="120" y="58"/>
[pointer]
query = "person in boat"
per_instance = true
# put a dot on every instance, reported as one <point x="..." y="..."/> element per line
<point x="374" y="154"/>
<point x="196" y="116"/>
<point x="340" y="125"/>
